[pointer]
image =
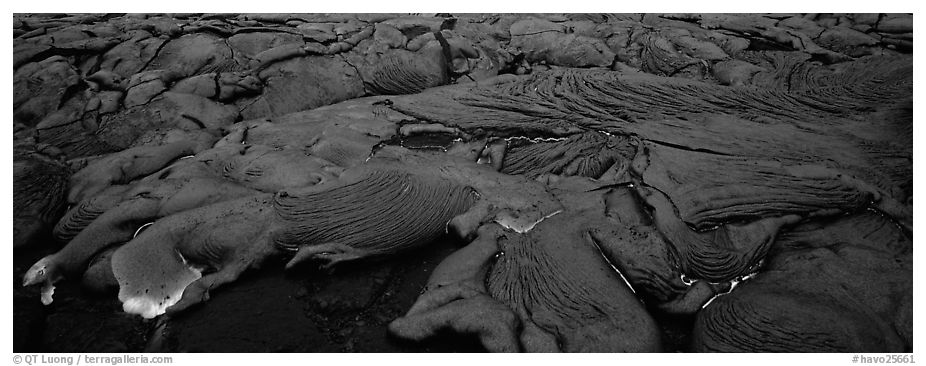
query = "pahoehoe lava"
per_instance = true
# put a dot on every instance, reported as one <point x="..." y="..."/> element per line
<point x="507" y="182"/>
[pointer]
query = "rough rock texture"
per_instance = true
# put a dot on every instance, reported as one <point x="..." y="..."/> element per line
<point x="577" y="182"/>
<point x="848" y="282"/>
<point x="39" y="185"/>
<point x="570" y="291"/>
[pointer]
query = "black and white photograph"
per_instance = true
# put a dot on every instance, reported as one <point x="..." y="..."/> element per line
<point x="488" y="182"/>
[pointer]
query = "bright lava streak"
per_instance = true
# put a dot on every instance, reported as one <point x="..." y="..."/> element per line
<point x="511" y="223"/>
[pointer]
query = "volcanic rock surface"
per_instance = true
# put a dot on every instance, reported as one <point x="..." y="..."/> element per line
<point x="450" y="182"/>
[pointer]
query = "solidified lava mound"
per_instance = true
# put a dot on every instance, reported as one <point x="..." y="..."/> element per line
<point x="380" y="182"/>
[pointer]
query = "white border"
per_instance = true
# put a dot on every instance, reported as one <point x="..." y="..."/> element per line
<point x="472" y="6"/>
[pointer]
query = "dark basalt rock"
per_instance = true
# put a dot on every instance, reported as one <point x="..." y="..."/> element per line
<point x="39" y="88"/>
<point x="575" y="155"/>
<point x="844" y="284"/>
<point x="403" y="72"/>
<point x="398" y="211"/>
<point x="557" y="277"/>
<point x="39" y="195"/>
<point x="302" y="83"/>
